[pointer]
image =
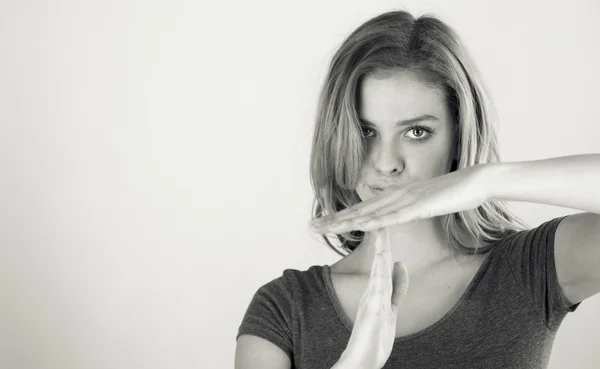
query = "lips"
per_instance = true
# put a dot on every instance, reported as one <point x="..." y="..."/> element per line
<point x="380" y="186"/>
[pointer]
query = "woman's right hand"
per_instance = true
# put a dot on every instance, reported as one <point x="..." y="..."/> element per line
<point x="374" y="329"/>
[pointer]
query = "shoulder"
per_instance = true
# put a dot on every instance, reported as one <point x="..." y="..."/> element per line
<point x="525" y="252"/>
<point x="540" y="237"/>
<point x="291" y="281"/>
<point x="277" y="300"/>
<point x="531" y="257"/>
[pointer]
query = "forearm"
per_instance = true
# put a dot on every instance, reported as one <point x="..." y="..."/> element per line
<point x="567" y="181"/>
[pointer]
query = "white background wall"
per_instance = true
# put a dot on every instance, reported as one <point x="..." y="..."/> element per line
<point x="154" y="161"/>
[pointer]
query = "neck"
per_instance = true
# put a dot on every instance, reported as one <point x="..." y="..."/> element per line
<point x="418" y="244"/>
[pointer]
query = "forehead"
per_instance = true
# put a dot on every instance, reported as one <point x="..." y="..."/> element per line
<point x="398" y="95"/>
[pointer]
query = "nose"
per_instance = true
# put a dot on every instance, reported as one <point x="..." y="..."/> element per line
<point x="387" y="159"/>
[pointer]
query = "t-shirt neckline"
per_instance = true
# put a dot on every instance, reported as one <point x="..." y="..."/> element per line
<point x="326" y="274"/>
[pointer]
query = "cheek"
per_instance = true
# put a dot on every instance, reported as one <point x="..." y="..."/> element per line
<point x="437" y="156"/>
<point x="361" y="187"/>
<point x="364" y="192"/>
<point x="364" y="169"/>
<point x="437" y="166"/>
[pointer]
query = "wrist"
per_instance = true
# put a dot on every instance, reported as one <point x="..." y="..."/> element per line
<point x="489" y="174"/>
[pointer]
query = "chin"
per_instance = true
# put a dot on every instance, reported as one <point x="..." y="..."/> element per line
<point x="365" y="192"/>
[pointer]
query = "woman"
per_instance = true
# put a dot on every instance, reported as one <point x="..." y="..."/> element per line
<point x="406" y="171"/>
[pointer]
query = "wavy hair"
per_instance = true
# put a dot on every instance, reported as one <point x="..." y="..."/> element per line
<point x="431" y="49"/>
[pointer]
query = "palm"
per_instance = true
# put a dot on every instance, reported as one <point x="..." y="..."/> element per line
<point x="374" y="330"/>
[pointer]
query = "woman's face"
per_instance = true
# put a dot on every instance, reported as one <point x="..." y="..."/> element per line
<point x="408" y="130"/>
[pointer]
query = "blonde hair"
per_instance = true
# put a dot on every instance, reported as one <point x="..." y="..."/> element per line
<point x="430" y="48"/>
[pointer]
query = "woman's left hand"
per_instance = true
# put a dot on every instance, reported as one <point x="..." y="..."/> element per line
<point x="449" y="193"/>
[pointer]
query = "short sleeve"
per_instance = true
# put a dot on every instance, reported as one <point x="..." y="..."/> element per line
<point x="530" y="254"/>
<point x="269" y="315"/>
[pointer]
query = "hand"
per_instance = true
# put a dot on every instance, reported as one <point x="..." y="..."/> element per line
<point x="449" y="193"/>
<point x="374" y="329"/>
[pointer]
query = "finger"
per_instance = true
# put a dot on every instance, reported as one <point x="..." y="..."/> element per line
<point x="379" y="219"/>
<point x="401" y="281"/>
<point x="382" y="241"/>
<point x="369" y="299"/>
<point x="396" y="214"/>
<point x="358" y="209"/>
<point x="375" y="216"/>
<point x="381" y="269"/>
<point x="377" y="203"/>
<point x="377" y="295"/>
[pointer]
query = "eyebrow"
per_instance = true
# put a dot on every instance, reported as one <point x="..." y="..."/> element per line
<point x="405" y="122"/>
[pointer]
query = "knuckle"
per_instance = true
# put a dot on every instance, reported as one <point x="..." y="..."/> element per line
<point x="356" y="222"/>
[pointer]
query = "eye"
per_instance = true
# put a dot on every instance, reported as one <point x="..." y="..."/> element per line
<point x="425" y="132"/>
<point x="416" y="130"/>
<point x="365" y="131"/>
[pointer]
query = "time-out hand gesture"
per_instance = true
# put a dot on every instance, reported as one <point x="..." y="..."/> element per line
<point x="446" y="194"/>
<point x="374" y="329"/>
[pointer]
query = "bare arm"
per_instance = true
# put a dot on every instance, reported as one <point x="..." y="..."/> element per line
<point x="253" y="352"/>
<point x="571" y="182"/>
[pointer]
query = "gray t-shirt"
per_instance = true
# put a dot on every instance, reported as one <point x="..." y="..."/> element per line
<point x="507" y="317"/>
